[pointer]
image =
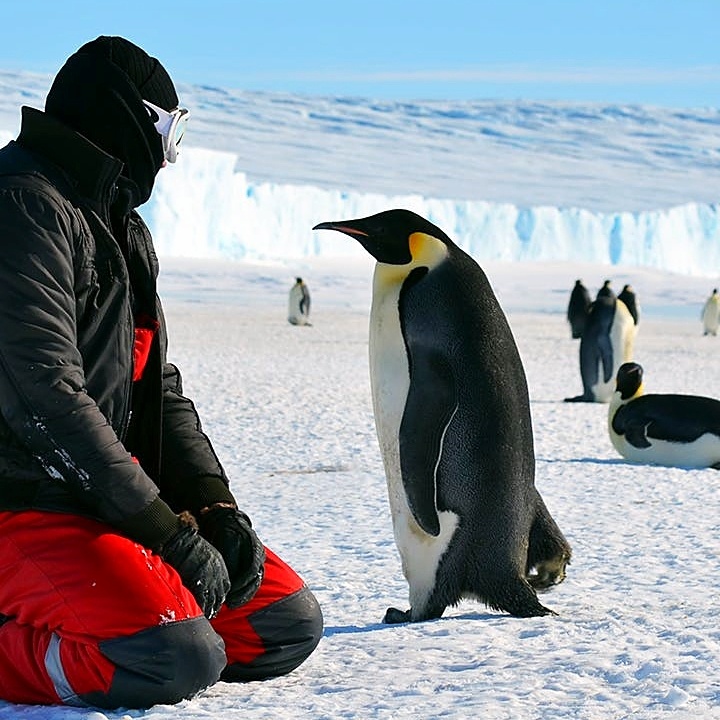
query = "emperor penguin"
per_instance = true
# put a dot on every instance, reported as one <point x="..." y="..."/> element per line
<point x="711" y="314"/>
<point x="629" y="297"/>
<point x="453" y="421"/>
<point x="607" y="342"/>
<point x="674" y="430"/>
<point x="577" y="310"/>
<point x="299" y="303"/>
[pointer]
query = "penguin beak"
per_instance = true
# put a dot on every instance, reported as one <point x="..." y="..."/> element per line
<point x="375" y="239"/>
<point x="340" y="227"/>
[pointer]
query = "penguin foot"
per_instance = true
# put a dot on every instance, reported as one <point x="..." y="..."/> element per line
<point x="526" y="611"/>
<point x="580" y="398"/>
<point x="546" y="574"/>
<point x="393" y="616"/>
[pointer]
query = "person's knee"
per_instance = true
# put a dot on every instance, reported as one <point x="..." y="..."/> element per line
<point x="290" y="629"/>
<point x="161" y="665"/>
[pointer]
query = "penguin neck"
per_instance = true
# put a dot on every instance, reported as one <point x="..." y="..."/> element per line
<point x="616" y="402"/>
<point x="426" y="251"/>
<point x="617" y="399"/>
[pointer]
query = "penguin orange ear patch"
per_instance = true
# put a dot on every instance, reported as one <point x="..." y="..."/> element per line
<point x="415" y="243"/>
<point x="426" y="249"/>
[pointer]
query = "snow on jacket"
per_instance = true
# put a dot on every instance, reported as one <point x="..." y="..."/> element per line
<point x="76" y="433"/>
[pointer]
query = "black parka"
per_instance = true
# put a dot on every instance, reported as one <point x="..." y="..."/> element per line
<point x="76" y="433"/>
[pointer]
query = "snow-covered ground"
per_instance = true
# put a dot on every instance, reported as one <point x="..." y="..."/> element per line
<point x="288" y="407"/>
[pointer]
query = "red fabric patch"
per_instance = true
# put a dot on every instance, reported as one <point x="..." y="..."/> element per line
<point x="145" y="329"/>
<point x="242" y="643"/>
<point x="75" y="578"/>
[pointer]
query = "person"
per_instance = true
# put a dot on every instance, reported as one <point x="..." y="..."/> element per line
<point x="299" y="303"/>
<point x="711" y="314"/>
<point x="129" y="574"/>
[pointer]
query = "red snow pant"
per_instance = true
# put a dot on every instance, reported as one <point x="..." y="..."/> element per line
<point x="90" y="618"/>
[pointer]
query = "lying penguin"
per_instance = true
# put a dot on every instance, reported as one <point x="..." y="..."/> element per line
<point x="675" y="430"/>
<point x="453" y="420"/>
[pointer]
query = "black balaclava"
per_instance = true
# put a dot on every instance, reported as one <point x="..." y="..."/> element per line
<point x="99" y="92"/>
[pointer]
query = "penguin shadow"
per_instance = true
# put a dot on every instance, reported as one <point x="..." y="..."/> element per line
<point x="588" y="460"/>
<point x="567" y="402"/>
<point x="628" y="463"/>
<point x="374" y="627"/>
<point x="354" y="629"/>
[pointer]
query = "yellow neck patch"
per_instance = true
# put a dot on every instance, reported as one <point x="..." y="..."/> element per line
<point x="426" y="251"/>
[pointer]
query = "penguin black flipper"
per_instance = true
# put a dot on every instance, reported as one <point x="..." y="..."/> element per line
<point x="606" y="357"/>
<point x="429" y="409"/>
<point x="632" y="422"/>
<point x="635" y="429"/>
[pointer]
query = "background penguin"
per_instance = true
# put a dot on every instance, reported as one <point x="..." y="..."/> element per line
<point x="711" y="314"/>
<point x="453" y="420"/>
<point x="607" y="342"/>
<point x="606" y="290"/>
<point x="299" y="303"/>
<point x="578" y="309"/>
<point x="674" y="430"/>
<point x="629" y="297"/>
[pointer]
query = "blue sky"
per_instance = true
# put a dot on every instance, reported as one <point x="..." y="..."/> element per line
<point x="653" y="52"/>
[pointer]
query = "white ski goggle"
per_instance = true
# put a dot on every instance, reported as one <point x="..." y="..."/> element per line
<point x="170" y="126"/>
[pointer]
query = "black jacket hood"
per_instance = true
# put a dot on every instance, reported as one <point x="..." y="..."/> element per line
<point x="97" y="99"/>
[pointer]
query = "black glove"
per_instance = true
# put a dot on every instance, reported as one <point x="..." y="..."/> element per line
<point x="200" y="566"/>
<point x="230" y="531"/>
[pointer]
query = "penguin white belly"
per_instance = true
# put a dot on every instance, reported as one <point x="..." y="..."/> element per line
<point x="296" y="316"/>
<point x="701" y="453"/>
<point x="420" y="553"/>
<point x="711" y="317"/>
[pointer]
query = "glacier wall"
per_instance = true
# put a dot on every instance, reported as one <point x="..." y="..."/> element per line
<point x="203" y="207"/>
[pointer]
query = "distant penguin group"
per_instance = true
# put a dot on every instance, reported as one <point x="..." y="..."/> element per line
<point x="453" y="420"/>
<point x="607" y="341"/>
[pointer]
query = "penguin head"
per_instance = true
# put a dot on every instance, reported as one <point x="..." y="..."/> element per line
<point x="396" y="237"/>
<point x="629" y="380"/>
<point x="605" y="291"/>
